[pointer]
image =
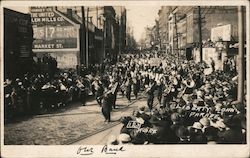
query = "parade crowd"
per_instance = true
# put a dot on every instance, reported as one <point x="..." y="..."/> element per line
<point x="183" y="104"/>
<point x="193" y="108"/>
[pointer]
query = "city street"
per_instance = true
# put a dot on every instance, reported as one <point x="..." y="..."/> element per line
<point x="68" y="126"/>
<point x="186" y="65"/>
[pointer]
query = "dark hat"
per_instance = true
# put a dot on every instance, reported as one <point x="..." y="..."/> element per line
<point x="211" y="133"/>
<point x="231" y="121"/>
<point x="154" y="120"/>
<point x="183" y="132"/>
<point x="240" y="107"/>
<point x="138" y="138"/>
<point x="125" y="119"/>
<point x="145" y="117"/>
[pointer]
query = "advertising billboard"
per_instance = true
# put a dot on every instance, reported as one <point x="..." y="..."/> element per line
<point x="224" y="32"/>
<point x="53" y="31"/>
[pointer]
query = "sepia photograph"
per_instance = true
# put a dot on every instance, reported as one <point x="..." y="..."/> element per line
<point x="116" y="75"/>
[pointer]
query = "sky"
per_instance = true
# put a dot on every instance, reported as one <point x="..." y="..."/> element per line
<point x="19" y="9"/>
<point x="138" y="17"/>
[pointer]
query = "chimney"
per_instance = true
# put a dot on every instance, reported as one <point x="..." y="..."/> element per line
<point x="69" y="13"/>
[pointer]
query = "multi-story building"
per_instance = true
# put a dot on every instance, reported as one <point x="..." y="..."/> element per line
<point x="164" y="27"/>
<point x="183" y="25"/>
<point x="101" y="30"/>
<point x="177" y="30"/>
<point x="18" y="37"/>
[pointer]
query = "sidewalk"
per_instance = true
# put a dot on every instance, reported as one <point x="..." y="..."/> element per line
<point x="62" y="127"/>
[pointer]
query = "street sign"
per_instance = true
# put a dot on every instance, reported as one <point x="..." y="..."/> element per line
<point x="53" y="31"/>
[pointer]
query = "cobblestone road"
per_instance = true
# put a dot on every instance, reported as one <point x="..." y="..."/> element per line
<point x="60" y="128"/>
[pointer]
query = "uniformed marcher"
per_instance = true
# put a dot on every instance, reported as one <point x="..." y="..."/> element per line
<point x="107" y="105"/>
<point x="128" y="85"/>
<point x="83" y="94"/>
<point x="150" y="95"/>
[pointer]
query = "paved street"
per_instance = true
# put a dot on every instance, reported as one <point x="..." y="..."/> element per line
<point x="64" y="127"/>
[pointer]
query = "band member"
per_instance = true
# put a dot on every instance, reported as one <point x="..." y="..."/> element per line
<point x="128" y="85"/>
<point x="98" y="92"/>
<point x="168" y="94"/>
<point x="113" y="86"/>
<point x="159" y="90"/>
<point x="150" y="94"/>
<point x="135" y="86"/>
<point x="107" y="104"/>
<point x="83" y="93"/>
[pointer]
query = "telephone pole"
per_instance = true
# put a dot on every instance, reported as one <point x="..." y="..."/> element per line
<point x="83" y="46"/>
<point x="176" y="35"/>
<point x="241" y="60"/>
<point x="200" y="32"/>
<point x="87" y="39"/>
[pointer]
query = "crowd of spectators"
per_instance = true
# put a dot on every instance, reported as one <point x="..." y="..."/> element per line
<point x="192" y="107"/>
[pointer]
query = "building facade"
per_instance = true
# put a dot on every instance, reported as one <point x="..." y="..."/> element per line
<point x="183" y="27"/>
<point x="84" y="41"/>
<point x="18" y="37"/>
<point x="164" y="27"/>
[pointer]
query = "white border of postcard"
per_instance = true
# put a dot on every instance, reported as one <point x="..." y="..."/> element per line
<point x="132" y="150"/>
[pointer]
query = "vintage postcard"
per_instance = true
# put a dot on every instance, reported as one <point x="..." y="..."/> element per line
<point x="125" y="78"/>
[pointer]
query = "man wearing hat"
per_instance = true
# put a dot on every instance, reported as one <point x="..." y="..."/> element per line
<point x="163" y="134"/>
<point x="128" y="85"/>
<point x="159" y="90"/>
<point x="196" y="134"/>
<point x="150" y="94"/>
<point x="167" y="95"/>
<point x="183" y="135"/>
<point x="107" y="105"/>
<point x="233" y="133"/>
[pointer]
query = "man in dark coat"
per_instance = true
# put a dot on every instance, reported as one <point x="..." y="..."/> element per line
<point x="107" y="105"/>
<point x="136" y="86"/>
<point x="150" y="95"/>
<point x="128" y="85"/>
<point x="159" y="91"/>
<point x="233" y="133"/>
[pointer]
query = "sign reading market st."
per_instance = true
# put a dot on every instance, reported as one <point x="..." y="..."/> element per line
<point x="53" y="31"/>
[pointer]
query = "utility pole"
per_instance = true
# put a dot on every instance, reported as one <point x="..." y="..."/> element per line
<point x="87" y="39"/>
<point x="97" y="17"/>
<point x="176" y="36"/>
<point x="83" y="46"/>
<point x="200" y="32"/>
<point x="120" y="30"/>
<point x="241" y="55"/>
<point x="104" y="39"/>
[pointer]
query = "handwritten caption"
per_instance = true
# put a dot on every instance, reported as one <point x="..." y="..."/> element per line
<point x="83" y="150"/>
